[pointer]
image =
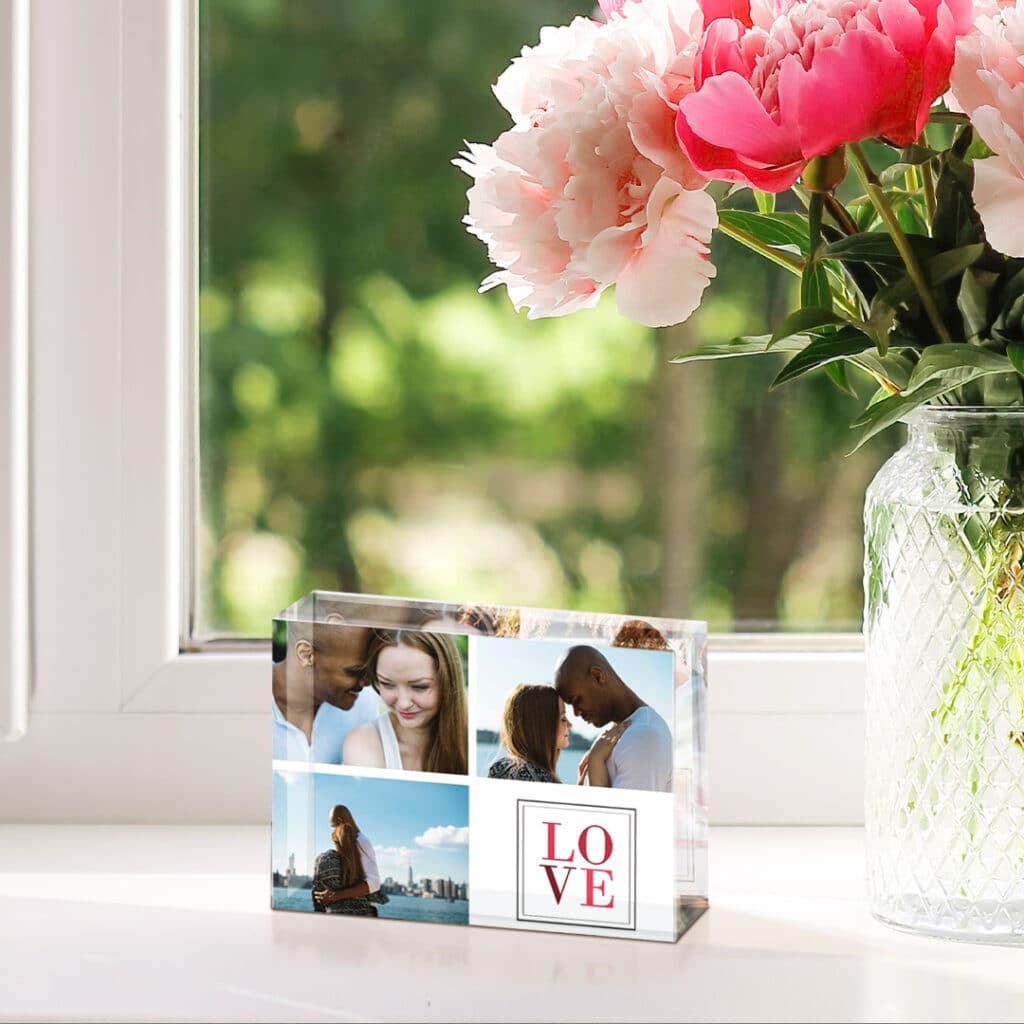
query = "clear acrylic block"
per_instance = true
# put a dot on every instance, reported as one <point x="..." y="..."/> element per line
<point x="498" y="766"/>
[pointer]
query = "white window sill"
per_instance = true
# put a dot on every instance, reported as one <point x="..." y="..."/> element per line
<point x="785" y="745"/>
<point x="172" y="923"/>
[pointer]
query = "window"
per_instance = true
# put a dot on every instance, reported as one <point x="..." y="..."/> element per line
<point x="370" y="422"/>
<point x="127" y="724"/>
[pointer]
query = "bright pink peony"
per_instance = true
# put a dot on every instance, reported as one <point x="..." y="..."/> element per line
<point x="589" y="188"/>
<point x="988" y="85"/>
<point x="802" y="77"/>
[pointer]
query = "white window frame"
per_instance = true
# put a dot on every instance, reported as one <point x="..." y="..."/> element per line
<point x="124" y="725"/>
<point x="14" y="503"/>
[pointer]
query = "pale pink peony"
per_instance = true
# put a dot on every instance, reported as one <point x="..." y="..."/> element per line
<point x="988" y="84"/>
<point x="802" y="77"/>
<point x="589" y="188"/>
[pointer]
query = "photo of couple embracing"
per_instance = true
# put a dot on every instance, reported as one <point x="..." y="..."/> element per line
<point x="600" y="720"/>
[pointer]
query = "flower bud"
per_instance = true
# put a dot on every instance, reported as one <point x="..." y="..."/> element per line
<point x="824" y="173"/>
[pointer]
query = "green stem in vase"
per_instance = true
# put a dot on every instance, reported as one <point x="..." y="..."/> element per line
<point x="994" y="652"/>
<point x="985" y="685"/>
<point x="882" y="205"/>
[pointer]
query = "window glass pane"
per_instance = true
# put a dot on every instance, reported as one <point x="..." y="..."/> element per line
<point x="370" y="422"/>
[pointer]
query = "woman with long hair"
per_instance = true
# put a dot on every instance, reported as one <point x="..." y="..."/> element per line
<point x="345" y="878"/>
<point x="419" y="678"/>
<point x="534" y="731"/>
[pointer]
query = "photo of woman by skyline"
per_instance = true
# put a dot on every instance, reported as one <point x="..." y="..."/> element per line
<point x="371" y="847"/>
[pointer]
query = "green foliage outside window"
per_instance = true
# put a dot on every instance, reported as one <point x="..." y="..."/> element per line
<point x="370" y="422"/>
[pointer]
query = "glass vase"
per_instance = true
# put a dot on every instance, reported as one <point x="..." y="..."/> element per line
<point x="944" y="637"/>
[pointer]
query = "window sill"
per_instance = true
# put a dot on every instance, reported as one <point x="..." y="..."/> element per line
<point x="786" y="741"/>
<point x="788" y="937"/>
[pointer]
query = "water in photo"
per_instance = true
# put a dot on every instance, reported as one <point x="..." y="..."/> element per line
<point x="574" y="714"/>
<point x="370" y="847"/>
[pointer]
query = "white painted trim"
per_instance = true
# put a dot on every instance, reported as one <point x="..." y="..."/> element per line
<point x="126" y="728"/>
<point x="78" y="460"/>
<point x="156" y="242"/>
<point x="15" y="670"/>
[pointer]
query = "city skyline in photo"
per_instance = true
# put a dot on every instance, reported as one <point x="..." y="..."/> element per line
<point x="424" y="825"/>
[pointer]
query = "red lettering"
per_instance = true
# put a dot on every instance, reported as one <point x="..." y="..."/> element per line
<point x="555" y="891"/>
<point x="584" y="844"/>
<point x="552" y="825"/>
<point x="597" y="888"/>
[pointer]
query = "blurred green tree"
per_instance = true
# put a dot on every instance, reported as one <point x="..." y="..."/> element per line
<point x="369" y="422"/>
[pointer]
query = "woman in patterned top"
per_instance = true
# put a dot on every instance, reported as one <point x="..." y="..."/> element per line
<point x="534" y="730"/>
<point x="346" y="879"/>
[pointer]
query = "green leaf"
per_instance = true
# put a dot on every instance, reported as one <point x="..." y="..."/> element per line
<point x="937" y="270"/>
<point x="755" y="345"/>
<point x="891" y="410"/>
<point x="1015" y="353"/>
<point x="957" y="364"/>
<point x="804" y="320"/>
<point x="893" y="367"/>
<point x="948" y="264"/>
<point x="973" y="300"/>
<point x="836" y="372"/>
<point x="915" y="154"/>
<point x="956" y="222"/>
<point x="893" y="177"/>
<point x="775" y="229"/>
<point x="1001" y="389"/>
<point x="841" y="345"/>
<point x="978" y="150"/>
<point x="881" y="322"/>
<point x="765" y="201"/>
<point x="814" y="287"/>
<point x="876" y="247"/>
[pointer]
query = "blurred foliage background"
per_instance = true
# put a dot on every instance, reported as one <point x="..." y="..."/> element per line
<point x="369" y="422"/>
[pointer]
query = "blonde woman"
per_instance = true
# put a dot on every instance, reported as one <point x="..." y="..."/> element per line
<point x="419" y="678"/>
<point x="346" y="879"/>
<point x="534" y="731"/>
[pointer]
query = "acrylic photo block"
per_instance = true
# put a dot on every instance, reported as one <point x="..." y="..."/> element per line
<point x="498" y="766"/>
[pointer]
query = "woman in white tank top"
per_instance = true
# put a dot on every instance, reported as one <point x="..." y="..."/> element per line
<point x="420" y="679"/>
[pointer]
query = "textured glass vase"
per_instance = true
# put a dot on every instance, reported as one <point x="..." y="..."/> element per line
<point x="944" y="636"/>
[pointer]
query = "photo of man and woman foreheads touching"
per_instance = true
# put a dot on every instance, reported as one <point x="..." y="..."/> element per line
<point x="546" y="711"/>
<point x="574" y="714"/>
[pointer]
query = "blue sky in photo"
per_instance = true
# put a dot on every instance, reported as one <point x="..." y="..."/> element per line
<point x="425" y="824"/>
<point x="501" y="664"/>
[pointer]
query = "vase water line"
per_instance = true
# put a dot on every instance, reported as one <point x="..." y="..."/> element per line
<point x="944" y="639"/>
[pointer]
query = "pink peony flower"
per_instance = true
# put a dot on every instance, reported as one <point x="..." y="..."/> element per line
<point x="589" y="188"/>
<point x="988" y="84"/>
<point x="803" y="77"/>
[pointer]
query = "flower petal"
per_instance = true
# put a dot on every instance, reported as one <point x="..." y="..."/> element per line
<point x="999" y="198"/>
<point x="664" y="282"/>
<point x="725" y="114"/>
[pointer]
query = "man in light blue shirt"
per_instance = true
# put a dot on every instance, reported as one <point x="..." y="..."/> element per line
<point x="318" y="693"/>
